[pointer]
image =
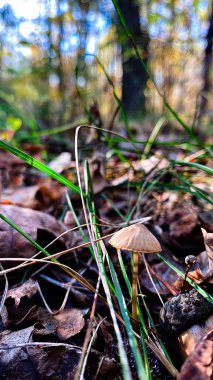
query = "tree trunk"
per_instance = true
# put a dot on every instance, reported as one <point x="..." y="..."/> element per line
<point x="134" y="75"/>
<point x="207" y="82"/>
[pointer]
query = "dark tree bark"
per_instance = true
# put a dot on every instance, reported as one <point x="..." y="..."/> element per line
<point x="134" y="75"/>
<point x="207" y="80"/>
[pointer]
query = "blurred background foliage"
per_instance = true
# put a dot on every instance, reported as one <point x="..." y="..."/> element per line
<point x="50" y="77"/>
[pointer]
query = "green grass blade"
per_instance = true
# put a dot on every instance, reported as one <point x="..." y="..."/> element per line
<point x="13" y="225"/>
<point x="69" y="202"/>
<point x="132" y="340"/>
<point x="70" y="271"/>
<point x="153" y="136"/>
<point x="143" y="329"/>
<point x="126" y="373"/>
<point x="194" y="165"/>
<point x="38" y="165"/>
<point x="62" y="128"/>
<point x="192" y="283"/>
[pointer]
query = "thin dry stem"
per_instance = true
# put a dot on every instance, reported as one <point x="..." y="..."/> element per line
<point x="151" y="279"/>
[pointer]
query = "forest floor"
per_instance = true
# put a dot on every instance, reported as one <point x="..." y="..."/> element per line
<point x="56" y="317"/>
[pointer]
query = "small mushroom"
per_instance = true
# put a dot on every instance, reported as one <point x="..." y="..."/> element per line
<point x="138" y="239"/>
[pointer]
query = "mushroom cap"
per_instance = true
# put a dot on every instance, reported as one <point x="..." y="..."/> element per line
<point x="136" y="238"/>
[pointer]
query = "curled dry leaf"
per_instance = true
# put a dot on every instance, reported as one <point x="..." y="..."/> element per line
<point x="195" y="275"/>
<point x="189" y="338"/>
<point x="97" y="172"/>
<point x="199" y="365"/>
<point x="153" y="163"/>
<point x="10" y="167"/>
<point x="208" y="241"/>
<point x="206" y="219"/>
<point x="8" y="338"/>
<point x="29" y="289"/>
<point x="13" y="244"/>
<point x="70" y="322"/>
<point x="37" y="362"/>
<point x="181" y="230"/>
<point x="61" y="162"/>
<point x="44" y="196"/>
<point x="20" y="304"/>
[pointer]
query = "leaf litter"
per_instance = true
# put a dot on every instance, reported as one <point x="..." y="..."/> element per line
<point x="49" y="345"/>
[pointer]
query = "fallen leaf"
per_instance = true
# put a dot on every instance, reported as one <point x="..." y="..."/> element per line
<point x="38" y="362"/>
<point x="70" y="322"/>
<point x="153" y="163"/>
<point x="208" y="241"/>
<point x="11" y="169"/>
<point x="199" y="365"/>
<point x="97" y="172"/>
<point x="8" y="338"/>
<point x="196" y="275"/>
<point x="189" y="338"/>
<point x="13" y="244"/>
<point x="29" y="288"/>
<point x="181" y="230"/>
<point x="206" y="219"/>
<point x="61" y="162"/>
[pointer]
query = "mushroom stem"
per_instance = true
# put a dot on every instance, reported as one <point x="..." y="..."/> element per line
<point x="134" y="290"/>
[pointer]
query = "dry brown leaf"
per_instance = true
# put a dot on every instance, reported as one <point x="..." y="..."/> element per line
<point x="70" y="322"/>
<point x="97" y="172"/>
<point x="196" y="276"/>
<point x="181" y="230"/>
<point x="8" y="338"/>
<point x="21" y="195"/>
<point x="208" y="241"/>
<point x="206" y="219"/>
<point x="183" y="226"/>
<point x="13" y="244"/>
<point x="153" y="163"/>
<point x="29" y="289"/>
<point x="45" y="196"/>
<point x="199" y="365"/>
<point x="11" y="169"/>
<point x="36" y="362"/>
<point x="61" y="162"/>
<point x="189" y="338"/>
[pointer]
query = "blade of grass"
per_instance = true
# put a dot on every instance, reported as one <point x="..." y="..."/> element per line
<point x="69" y="202"/>
<point x="70" y="271"/>
<point x="193" y="165"/>
<point x="143" y="329"/>
<point x="132" y="340"/>
<point x="182" y="144"/>
<point x="62" y="128"/>
<point x="38" y="165"/>
<point x="153" y="136"/>
<point x="181" y="274"/>
<point x="194" y="190"/>
<point x="122" y="353"/>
